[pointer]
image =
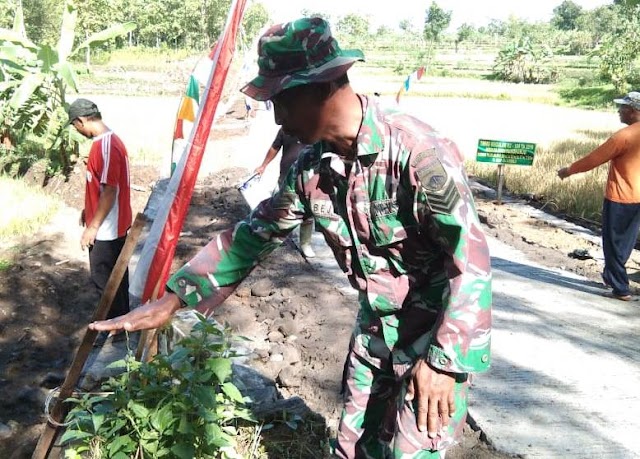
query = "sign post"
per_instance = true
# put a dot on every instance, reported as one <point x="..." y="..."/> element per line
<point x="500" y="182"/>
<point x="503" y="152"/>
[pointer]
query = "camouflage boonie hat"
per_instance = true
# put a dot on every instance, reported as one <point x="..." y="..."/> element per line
<point x="632" y="99"/>
<point x="296" y="53"/>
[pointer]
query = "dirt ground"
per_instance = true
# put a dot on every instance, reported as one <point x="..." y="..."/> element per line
<point x="300" y="321"/>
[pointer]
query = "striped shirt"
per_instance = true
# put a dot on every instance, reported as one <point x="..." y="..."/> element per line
<point x="108" y="164"/>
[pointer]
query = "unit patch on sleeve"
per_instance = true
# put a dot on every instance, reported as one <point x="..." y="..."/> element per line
<point x="439" y="187"/>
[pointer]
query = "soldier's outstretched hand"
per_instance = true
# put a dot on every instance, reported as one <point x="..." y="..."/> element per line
<point x="151" y="315"/>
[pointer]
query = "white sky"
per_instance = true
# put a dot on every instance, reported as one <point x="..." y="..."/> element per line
<point x="390" y="13"/>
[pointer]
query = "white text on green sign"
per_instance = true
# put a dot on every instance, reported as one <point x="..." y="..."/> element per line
<point x="505" y="152"/>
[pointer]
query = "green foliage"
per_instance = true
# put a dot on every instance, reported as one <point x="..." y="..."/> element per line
<point x="573" y="43"/>
<point x="6" y="14"/>
<point x="353" y="27"/>
<point x="5" y="264"/>
<point x="566" y="15"/>
<point x="620" y="47"/>
<point x="33" y="83"/>
<point x="383" y="31"/>
<point x="525" y="61"/>
<point x="255" y="18"/>
<point x="465" y="31"/>
<point x="599" y="96"/>
<point x="178" y="405"/>
<point x="309" y="13"/>
<point x="406" y="26"/>
<point x="494" y="28"/>
<point x="627" y="3"/>
<point x="42" y="20"/>
<point x="597" y="23"/>
<point x="437" y="20"/>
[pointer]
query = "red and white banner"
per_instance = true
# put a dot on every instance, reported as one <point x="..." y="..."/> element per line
<point x="154" y="264"/>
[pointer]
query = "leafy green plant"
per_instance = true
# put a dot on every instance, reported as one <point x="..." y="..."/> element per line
<point x="619" y="48"/>
<point x="525" y="61"/>
<point x="435" y="23"/>
<point x="5" y="264"/>
<point x="178" y="405"/>
<point x="33" y="83"/>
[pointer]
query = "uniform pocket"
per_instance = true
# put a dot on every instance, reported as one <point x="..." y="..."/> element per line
<point x="389" y="237"/>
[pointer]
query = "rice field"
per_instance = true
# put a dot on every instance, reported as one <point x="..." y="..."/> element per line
<point x="579" y="195"/>
<point x="26" y="211"/>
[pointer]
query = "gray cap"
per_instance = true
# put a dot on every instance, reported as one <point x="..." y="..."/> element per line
<point x="632" y="99"/>
<point x="82" y="107"/>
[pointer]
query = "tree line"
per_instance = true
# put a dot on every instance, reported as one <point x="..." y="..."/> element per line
<point x="608" y="34"/>
<point x="193" y="24"/>
<point x="41" y="41"/>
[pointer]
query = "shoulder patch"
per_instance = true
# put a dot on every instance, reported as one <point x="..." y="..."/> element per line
<point x="438" y="186"/>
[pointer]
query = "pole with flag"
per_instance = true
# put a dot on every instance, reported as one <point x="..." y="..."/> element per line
<point x="153" y="267"/>
<point x="414" y="76"/>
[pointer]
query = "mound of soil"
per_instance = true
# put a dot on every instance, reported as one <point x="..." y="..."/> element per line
<point x="46" y="301"/>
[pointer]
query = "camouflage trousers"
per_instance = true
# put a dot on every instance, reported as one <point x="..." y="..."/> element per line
<point x="377" y="423"/>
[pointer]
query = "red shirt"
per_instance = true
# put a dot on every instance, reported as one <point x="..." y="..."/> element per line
<point x="108" y="164"/>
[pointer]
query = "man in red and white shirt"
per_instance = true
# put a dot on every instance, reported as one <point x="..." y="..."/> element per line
<point x="107" y="203"/>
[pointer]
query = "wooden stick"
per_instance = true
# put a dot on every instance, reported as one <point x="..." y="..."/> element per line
<point x="148" y="345"/>
<point x="59" y="410"/>
<point x="500" y="182"/>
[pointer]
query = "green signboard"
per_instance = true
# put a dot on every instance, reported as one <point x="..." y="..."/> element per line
<point x="503" y="152"/>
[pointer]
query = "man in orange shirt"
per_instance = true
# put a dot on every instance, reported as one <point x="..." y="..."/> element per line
<point x="621" y="208"/>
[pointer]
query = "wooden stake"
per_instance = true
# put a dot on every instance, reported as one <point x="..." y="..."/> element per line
<point x="59" y="410"/>
<point x="500" y="182"/>
<point x="148" y="343"/>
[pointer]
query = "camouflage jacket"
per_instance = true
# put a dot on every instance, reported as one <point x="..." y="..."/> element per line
<point x="401" y="222"/>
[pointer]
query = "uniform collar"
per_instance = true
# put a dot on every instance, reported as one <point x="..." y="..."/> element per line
<point x="370" y="140"/>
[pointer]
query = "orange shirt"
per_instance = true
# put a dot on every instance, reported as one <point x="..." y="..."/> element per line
<point x="622" y="149"/>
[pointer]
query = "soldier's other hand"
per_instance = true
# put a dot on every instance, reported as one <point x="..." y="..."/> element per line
<point x="149" y="316"/>
<point x="563" y="173"/>
<point x="260" y="170"/>
<point x="434" y="391"/>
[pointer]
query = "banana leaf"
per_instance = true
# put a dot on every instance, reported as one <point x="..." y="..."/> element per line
<point x="28" y="86"/>
<point x="106" y="35"/>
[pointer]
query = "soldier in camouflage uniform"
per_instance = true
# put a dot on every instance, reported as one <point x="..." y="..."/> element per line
<point x="391" y="198"/>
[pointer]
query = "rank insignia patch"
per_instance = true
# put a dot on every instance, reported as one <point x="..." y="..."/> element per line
<point x="440" y="189"/>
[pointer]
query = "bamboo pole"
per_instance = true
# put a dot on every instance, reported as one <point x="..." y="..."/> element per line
<point x="59" y="410"/>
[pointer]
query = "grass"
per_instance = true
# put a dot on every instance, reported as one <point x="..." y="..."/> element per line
<point x="386" y="82"/>
<point x="285" y="439"/>
<point x="142" y="58"/>
<point x="137" y="70"/>
<point x="27" y="210"/>
<point x="592" y="97"/>
<point x="5" y="264"/>
<point x="580" y="195"/>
